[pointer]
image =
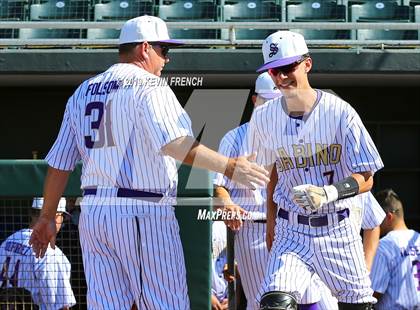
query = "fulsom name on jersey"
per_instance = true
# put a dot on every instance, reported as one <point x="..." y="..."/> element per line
<point x="221" y="215"/>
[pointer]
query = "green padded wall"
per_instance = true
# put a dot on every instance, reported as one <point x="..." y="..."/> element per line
<point x="25" y="178"/>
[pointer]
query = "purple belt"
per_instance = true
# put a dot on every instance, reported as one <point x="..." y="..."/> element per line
<point x="314" y="220"/>
<point x="128" y="193"/>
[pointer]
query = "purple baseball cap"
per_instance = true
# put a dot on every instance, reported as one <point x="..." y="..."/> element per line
<point x="282" y="48"/>
<point x="146" y="28"/>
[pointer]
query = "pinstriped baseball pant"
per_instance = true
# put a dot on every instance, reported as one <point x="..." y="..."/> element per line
<point x="334" y="252"/>
<point x="252" y="256"/>
<point x="133" y="254"/>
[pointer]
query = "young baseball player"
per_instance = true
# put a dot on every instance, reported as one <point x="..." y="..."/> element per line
<point x="47" y="278"/>
<point x="219" y="285"/>
<point x="127" y="127"/>
<point x="396" y="268"/>
<point x="250" y="249"/>
<point x="325" y="158"/>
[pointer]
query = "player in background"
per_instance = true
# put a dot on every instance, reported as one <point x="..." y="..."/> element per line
<point x="369" y="221"/>
<point x="69" y="243"/>
<point x="47" y="278"/>
<point x="250" y="249"/>
<point x="395" y="272"/>
<point x="128" y="128"/>
<point x="219" y="285"/>
<point x="325" y="158"/>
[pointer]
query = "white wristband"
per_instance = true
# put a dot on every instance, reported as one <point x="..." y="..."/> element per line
<point x="332" y="193"/>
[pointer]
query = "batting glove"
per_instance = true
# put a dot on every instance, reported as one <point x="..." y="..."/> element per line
<point x="311" y="198"/>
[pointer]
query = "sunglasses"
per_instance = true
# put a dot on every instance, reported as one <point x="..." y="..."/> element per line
<point x="286" y="69"/>
<point x="164" y="49"/>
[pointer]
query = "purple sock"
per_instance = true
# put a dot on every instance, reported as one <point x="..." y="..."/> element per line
<point x="308" y="307"/>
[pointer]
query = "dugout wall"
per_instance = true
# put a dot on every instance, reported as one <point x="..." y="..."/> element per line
<point x="20" y="180"/>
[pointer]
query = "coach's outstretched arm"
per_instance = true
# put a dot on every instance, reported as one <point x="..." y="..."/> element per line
<point x="239" y="169"/>
<point x="44" y="231"/>
<point x="312" y="197"/>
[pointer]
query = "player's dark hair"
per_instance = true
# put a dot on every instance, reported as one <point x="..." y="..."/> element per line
<point x="34" y="212"/>
<point x="390" y="201"/>
<point x="127" y="48"/>
<point x="33" y="217"/>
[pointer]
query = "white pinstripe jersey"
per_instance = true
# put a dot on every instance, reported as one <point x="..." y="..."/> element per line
<point x="117" y="122"/>
<point x="368" y="213"/>
<point x="234" y="144"/>
<point x="396" y="271"/>
<point x="219" y="259"/>
<point x="47" y="278"/>
<point x="326" y="145"/>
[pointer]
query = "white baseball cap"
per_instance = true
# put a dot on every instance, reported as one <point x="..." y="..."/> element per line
<point x="38" y="202"/>
<point x="265" y="87"/>
<point x="282" y="48"/>
<point x="146" y="28"/>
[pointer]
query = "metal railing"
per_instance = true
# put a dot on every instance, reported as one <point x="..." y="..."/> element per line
<point x="230" y="26"/>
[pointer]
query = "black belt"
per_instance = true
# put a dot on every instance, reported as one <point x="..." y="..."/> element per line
<point x="260" y="221"/>
<point x="128" y="193"/>
<point x="314" y="220"/>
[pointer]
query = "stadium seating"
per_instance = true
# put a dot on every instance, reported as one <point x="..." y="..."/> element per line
<point x="12" y="10"/>
<point x="196" y="11"/>
<point x="417" y="13"/>
<point x="30" y="33"/>
<point x="318" y="11"/>
<point x="382" y="11"/>
<point x="417" y="18"/>
<point x="251" y="11"/>
<point x="59" y="10"/>
<point x="163" y="2"/>
<point x="103" y="33"/>
<point x="410" y="2"/>
<point x="114" y="10"/>
<point x="121" y="10"/>
<point x="55" y="10"/>
<point x="368" y="34"/>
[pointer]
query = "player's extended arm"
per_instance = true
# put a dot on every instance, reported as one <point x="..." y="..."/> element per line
<point x="236" y="212"/>
<point x="240" y="169"/>
<point x="370" y="244"/>
<point x="312" y="197"/>
<point x="271" y="208"/>
<point x="44" y="230"/>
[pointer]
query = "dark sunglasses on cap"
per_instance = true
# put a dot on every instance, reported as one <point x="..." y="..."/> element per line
<point x="163" y="48"/>
<point x="288" y="68"/>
